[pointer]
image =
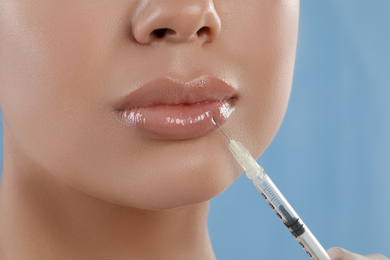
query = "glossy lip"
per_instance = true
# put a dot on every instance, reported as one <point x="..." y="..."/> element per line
<point x="170" y="109"/>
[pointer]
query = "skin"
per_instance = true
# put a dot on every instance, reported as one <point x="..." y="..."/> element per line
<point x="76" y="183"/>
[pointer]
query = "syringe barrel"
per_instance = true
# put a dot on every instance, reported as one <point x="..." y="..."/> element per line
<point x="290" y="218"/>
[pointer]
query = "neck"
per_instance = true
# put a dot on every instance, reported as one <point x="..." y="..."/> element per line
<point x="42" y="218"/>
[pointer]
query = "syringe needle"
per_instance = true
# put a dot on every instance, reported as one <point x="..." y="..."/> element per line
<point x="220" y="128"/>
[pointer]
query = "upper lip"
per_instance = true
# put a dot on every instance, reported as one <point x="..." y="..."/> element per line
<point x="170" y="92"/>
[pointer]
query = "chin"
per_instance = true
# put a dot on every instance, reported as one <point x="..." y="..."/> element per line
<point x="166" y="185"/>
<point x="201" y="187"/>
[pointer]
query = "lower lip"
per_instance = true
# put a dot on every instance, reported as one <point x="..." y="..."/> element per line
<point x="178" y="122"/>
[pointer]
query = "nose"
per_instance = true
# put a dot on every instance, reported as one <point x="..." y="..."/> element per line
<point x="176" y="21"/>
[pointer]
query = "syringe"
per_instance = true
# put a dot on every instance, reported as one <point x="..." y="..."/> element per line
<point x="277" y="201"/>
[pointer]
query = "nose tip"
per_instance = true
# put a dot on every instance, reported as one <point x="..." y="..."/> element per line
<point x="176" y="21"/>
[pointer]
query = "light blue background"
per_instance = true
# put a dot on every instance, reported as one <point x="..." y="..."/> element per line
<point x="331" y="157"/>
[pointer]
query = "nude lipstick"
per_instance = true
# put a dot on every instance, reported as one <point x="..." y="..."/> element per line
<point x="170" y="109"/>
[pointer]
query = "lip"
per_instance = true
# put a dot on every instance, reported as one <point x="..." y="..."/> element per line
<point x="171" y="109"/>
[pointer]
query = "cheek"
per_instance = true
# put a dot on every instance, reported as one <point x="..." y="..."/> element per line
<point x="46" y="68"/>
<point x="49" y="80"/>
<point x="263" y="45"/>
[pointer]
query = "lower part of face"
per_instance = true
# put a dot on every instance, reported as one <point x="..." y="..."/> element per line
<point x="63" y="64"/>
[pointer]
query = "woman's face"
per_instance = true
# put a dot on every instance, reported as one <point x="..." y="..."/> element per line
<point x="116" y="98"/>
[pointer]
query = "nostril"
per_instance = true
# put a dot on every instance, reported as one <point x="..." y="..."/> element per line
<point x="204" y="31"/>
<point x="162" y="32"/>
<point x="175" y="21"/>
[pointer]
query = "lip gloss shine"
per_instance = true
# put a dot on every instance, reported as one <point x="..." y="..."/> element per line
<point x="170" y="109"/>
<point x="178" y="121"/>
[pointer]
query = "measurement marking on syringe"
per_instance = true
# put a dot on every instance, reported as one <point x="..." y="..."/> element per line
<point x="272" y="196"/>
